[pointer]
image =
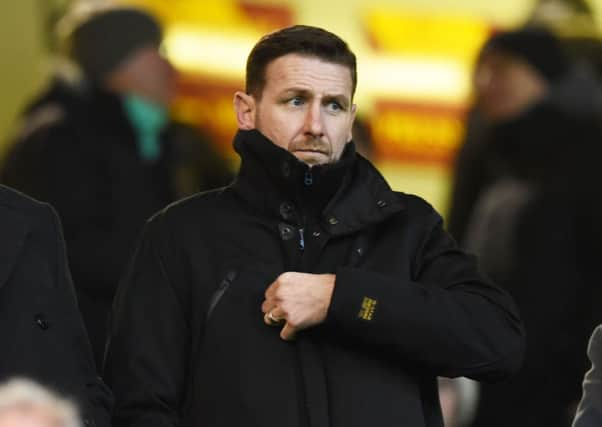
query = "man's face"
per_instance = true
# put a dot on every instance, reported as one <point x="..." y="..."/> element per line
<point x="306" y="108"/>
<point x="146" y="73"/>
<point x="506" y="86"/>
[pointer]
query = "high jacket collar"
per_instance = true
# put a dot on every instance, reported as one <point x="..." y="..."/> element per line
<point x="342" y="197"/>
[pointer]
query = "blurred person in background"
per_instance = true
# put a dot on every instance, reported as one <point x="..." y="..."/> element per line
<point x="589" y="412"/>
<point x="362" y="137"/>
<point x="526" y="201"/>
<point x="43" y="335"/>
<point x="24" y="403"/>
<point x="103" y="151"/>
<point x="575" y="23"/>
<point x="458" y="397"/>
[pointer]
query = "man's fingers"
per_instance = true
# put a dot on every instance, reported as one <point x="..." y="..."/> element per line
<point x="281" y="280"/>
<point x="274" y="317"/>
<point x="270" y="297"/>
<point x="267" y="319"/>
<point x="278" y="313"/>
<point x="267" y="305"/>
<point x="288" y="332"/>
<point x="270" y="292"/>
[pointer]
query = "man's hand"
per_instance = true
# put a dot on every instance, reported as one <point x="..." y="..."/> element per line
<point x="299" y="300"/>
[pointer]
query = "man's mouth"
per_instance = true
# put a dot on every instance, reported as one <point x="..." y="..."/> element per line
<point x="310" y="150"/>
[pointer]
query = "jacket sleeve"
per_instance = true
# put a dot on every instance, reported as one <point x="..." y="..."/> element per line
<point x="589" y="412"/>
<point x="146" y="363"/>
<point x="73" y="339"/>
<point x="447" y="317"/>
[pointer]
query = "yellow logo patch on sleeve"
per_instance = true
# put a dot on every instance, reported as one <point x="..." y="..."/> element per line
<point x="367" y="309"/>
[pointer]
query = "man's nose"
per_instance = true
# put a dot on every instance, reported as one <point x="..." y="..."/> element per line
<point x="313" y="120"/>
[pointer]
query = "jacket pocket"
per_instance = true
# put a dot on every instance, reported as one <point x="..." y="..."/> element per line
<point x="217" y="295"/>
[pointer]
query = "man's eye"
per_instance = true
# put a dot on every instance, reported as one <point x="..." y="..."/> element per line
<point x="296" y="101"/>
<point x="334" y="106"/>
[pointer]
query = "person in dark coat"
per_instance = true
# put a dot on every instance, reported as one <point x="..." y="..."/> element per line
<point x="515" y="71"/>
<point x="43" y="336"/>
<point x="102" y="151"/>
<point x="533" y="222"/>
<point x="589" y="411"/>
<point x="307" y="293"/>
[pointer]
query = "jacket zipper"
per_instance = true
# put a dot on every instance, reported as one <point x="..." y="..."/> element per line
<point x="220" y="291"/>
<point x="302" y="239"/>
<point x="308" y="179"/>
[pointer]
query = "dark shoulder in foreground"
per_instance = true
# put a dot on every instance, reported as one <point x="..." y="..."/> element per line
<point x="20" y="204"/>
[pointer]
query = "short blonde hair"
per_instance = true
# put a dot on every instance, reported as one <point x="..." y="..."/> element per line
<point x="20" y="393"/>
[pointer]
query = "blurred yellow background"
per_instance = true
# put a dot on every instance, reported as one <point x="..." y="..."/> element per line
<point x="414" y="66"/>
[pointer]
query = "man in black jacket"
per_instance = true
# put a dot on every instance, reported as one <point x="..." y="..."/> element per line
<point x="308" y="293"/>
<point x="43" y="336"/>
<point x="103" y="152"/>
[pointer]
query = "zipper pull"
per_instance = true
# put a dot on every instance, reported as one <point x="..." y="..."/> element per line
<point x="309" y="179"/>
<point x="301" y="239"/>
<point x="220" y="291"/>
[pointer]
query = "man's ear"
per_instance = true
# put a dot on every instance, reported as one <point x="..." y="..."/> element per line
<point x="244" y="105"/>
<point x="353" y="111"/>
